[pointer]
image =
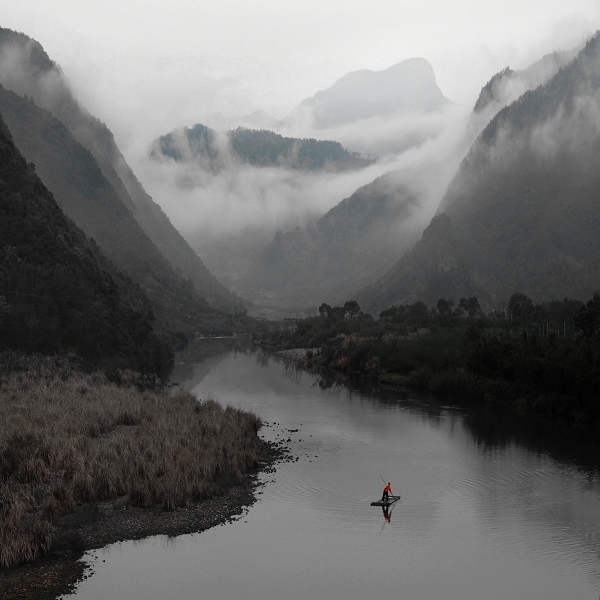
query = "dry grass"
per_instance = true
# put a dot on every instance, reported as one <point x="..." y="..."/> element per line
<point x="79" y="438"/>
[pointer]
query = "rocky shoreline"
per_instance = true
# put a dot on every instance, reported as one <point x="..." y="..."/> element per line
<point x="99" y="524"/>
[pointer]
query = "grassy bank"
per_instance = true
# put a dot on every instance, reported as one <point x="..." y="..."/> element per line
<point x="68" y="438"/>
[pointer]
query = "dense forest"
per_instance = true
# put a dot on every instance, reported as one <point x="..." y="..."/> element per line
<point x="73" y="175"/>
<point x="59" y="292"/>
<point x="542" y="358"/>
<point x="260" y="148"/>
<point x="35" y="78"/>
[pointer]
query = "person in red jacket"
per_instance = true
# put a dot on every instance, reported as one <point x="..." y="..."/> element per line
<point x="387" y="492"/>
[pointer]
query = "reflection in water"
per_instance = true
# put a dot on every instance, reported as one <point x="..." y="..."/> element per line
<point x="491" y="507"/>
<point x="387" y="512"/>
<point x="493" y="430"/>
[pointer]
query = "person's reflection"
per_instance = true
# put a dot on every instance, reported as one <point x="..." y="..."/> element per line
<point x="387" y="513"/>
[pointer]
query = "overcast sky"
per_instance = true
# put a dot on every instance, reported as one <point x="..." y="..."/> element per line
<point x="146" y="66"/>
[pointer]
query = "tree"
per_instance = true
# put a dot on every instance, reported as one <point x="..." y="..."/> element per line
<point x="520" y="308"/>
<point x="418" y="309"/>
<point x="352" y="307"/>
<point x="588" y="320"/>
<point x="471" y="306"/>
<point x="445" y="307"/>
<point x="325" y="310"/>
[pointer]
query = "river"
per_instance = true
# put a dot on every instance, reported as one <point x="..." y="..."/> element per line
<point x="490" y="508"/>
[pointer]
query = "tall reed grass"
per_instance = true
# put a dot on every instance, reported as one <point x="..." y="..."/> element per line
<point x="70" y="438"/>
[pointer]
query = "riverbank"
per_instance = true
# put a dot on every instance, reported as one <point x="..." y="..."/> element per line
<point x="96" y="525"/>
<point x="480" y="361"/>
<point x="85" y="462"/>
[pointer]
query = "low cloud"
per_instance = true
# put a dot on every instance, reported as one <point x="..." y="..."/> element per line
<point x="423" y="151"/>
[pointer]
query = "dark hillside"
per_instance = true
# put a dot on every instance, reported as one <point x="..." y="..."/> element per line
<point x="525" y="200"/>
<point x="56" y="283"/>
<point x="524" y="204"/>
<point x="32" y="73"/>
<point x="77" y="182"/>
<point x="74" y="177"/>
<point x="436" y="267"/>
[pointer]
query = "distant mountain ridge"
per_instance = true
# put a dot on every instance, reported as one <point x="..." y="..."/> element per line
<point x="260" y="148"/>
<point x="26" y="69"/>
<point x="404" y="87"/>
<point x="522" y="213"/>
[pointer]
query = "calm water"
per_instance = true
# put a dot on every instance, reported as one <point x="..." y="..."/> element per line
<point x="488" y="511"/>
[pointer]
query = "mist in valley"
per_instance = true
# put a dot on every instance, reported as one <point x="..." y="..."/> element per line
<point x="419" y="178"/>
<point x="163" y="75"/>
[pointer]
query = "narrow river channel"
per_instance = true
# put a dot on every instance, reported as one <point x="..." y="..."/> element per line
<point x="489" y="509"/>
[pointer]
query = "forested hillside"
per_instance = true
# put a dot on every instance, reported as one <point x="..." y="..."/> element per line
<point x="29" y="71"/>
<point x="260" y="148"/>
<point x="508" y="85"/>
<point x="523" y="207"/>
<point x="76" y="181"/>
<point x="58" y="292"/>
<point x="72" y="174"/>
<point x="351" y="244"/>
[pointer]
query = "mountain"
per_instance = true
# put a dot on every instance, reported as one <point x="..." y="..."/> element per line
<point x="62" y="292"/>
<point x="522" y="213"/>
<point x="26" y="69"/>
<point x="259" y="119"/>
<point x="72" y="174"/>
<point x="409" y="86"/>
<point x="508" y="85"/>
<point x="349" y="246"/>
<point x="214" y="151"/>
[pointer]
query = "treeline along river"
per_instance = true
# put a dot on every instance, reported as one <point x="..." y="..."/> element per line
<point x="491" y="507"/>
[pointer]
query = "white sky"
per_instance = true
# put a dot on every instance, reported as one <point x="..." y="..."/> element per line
<point x="147" y="66"/>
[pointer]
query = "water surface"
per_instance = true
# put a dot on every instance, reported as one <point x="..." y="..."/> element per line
<point x="490" y="509"/>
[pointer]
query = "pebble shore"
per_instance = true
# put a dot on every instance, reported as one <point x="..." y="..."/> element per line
<point x="99" y="524"/>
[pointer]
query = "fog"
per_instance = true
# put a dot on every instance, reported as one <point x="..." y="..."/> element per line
<point x="147" y="68"/>
<point x="240" y="195"/>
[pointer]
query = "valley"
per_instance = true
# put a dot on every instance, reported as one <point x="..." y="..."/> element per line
<point x="220" y="311"/>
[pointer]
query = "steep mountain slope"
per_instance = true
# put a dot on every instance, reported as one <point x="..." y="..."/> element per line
<point x="351" y="244"/>
<point x="27" y="70"/>
<point x="75" y="179"/>
<point x="404" y="87"/>
<point x="508" y="85"/>
<point x="61" y="291"/>
<point x="524" y="206"/>
<point x="436" y="267"/>
<point x="261" y="148"/>
<point x="84" y="194"/>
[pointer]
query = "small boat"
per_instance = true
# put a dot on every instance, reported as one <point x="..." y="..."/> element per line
<point x="391" y="500"/>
